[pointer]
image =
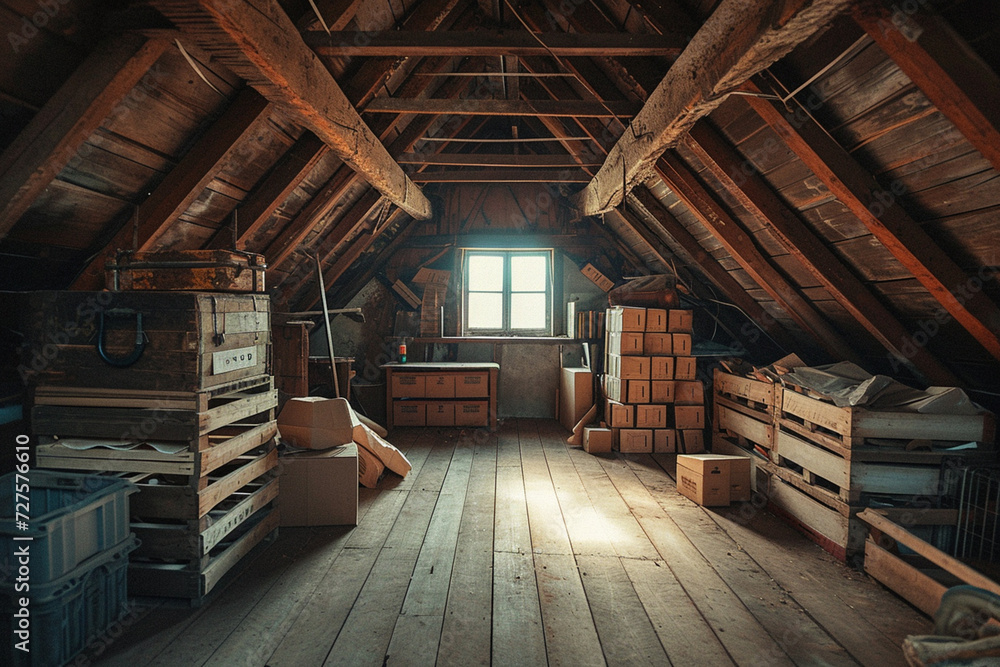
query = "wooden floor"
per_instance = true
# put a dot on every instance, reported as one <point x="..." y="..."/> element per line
<point x="516" y="549"/>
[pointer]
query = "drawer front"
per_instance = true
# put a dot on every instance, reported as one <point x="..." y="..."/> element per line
<point x="439" y="385"/>
<point x="409" y="413"/>
<point x="408" y="385"/>
<point x="440" y="413"/>
<point x="472" y="413"/>
<point x="472" y="385"/>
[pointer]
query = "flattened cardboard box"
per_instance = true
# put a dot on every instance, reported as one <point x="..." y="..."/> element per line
<point x="320" y="488"/>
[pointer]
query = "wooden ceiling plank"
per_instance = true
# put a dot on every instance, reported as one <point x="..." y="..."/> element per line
<point x="55" y="134"/>
<point x="497" y="175"/>
<point x="960" y="295"/>
<point x="711" y="267"/>
<point x="741" y="247"/>
<point x="293" y="167"/>
<point x="183" y="184"/>
<point x="501" y="42"/>
<point x="754" y="194"/>
<point x="739" y="39"/>
<point x="273" y="58"/>
<point x="485" y="107"/>
<point x="513" y="160"/>
<point x="948" y="71"/>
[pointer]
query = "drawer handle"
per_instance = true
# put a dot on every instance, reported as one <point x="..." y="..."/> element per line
<point x="140" y="338"/>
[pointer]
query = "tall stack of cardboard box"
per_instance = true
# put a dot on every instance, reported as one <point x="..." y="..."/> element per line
<point x="654" y="401"/>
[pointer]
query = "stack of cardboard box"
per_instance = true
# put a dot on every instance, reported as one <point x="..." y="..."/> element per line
<point x="654" y="401"/>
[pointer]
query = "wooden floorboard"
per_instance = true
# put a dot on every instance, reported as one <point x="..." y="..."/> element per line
<point x="514" y="548"/>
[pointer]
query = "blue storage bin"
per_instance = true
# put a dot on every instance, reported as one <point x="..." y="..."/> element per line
<point x="72" y="517"/>
<point x="70" y="612"/>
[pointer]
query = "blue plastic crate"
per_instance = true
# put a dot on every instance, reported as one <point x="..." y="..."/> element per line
<point x="72" y="517"/>
<point x="70" y="612"/>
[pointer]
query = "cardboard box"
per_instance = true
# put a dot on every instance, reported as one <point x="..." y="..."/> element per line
<point x="680" y="321"/>
<point x="656" y="320"/>
<point x="626" y="318"/>
<point x="661" y="391"/>
<point x="682" y="344"/>
<point x="391" y="458"/>
<point x="704" y="478"/>
<point x="597" y="277"/>
<point x="312" y="422"/>
<point x="635" y="441"/>
<point x="689" y="416"/>
<point x="472" y="413"/>
<point x="689" y="392"/>
<point x="440" y="413"/>
<point x="661" y="368"/>
<point x="650" y="416"/>
<point x="596" y="440"/>
<point x="658" y="343"/>
<point x="440" y="385"/>
<point x="472" y="385"/>
<point x="409" y="413"/>
<point x="739" y="479"/>
<point x="408" y="385"/>
<point x="625" y="342"/>
<point x="619" y="415"/>
<point x="370" y="468"/>
<point x="576" y="395"/>
<point x="637" y="391"/>
<point x="631" y="368"/>
<point x="685" y="368"/>
<point x="664" y="441"/>
<point x="320" y="488"/>
<point x="691" y="441"/>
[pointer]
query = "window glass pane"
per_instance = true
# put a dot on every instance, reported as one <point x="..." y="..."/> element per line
<point x="527" y="273"/>
<point x="485" y="310"/>
<point x="485" y="273"/>
<point x="527" y="311"/>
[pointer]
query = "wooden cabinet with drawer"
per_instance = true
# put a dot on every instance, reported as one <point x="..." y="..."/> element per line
<point x="441" y="394"/>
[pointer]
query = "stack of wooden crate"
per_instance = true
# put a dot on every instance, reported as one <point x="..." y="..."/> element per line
<point x="821" y="464"/>
<point x="191" y="421"/>
<point x="654" y="401"/>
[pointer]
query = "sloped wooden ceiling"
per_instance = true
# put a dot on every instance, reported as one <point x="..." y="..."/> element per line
<point x="826" y="167"/>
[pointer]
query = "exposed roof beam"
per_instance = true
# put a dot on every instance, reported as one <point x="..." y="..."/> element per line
<point x="470" y="175"/>
<point x="952" y="76"/>
<point x="473" y="107"/>
<point x="272" y="190"/>
<point x="408" y="43"/>
<point x="739" y="39"/>
<point x="853" y="185"/>
<point x="53" y="136"/>
<point x="754" y="193"/>
<point x="272" y="57"/>
<point x="742" y="248"/>
<point x="711" y="267"/>
<point x="183" y="184"/>
<point x="513" y="160"/>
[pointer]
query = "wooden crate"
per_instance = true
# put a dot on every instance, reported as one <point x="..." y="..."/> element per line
<point x="187" y="270"/>
<point x="841" y="429"/>
<point x="735" y="421"/>
<point x="191" y="341"/>
<point x="751" y="397"/>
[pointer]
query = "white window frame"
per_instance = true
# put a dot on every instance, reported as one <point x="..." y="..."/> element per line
<point x="507" y="254"/>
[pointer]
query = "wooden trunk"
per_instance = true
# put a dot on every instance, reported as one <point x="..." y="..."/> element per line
<point x="192" y="341"/>
<point x="187" y="270"/>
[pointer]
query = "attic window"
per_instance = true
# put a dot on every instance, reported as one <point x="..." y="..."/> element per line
<point x="507" y="292"/>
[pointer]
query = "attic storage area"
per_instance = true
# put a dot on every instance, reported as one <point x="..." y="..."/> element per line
<point x="656" y="333"/>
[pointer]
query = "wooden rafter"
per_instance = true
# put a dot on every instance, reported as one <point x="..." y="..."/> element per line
<point x="755" y="195"/>
<point x="473" y="107"/>
<point x="494" y="175"/>
<point x="273" y="189"/>
<point x="710" y="266"/>
<point x="516" y="42"/>
<point x="741" y="247"/>
<point x="859" y="191"/>
<point x="260" y="43"/>
<point x="739" y="39"/>
<point x="513" y="160"/>
<point x="952" y="76"/>
<point x="183" y="185"/>
<point x="60" y="127"/>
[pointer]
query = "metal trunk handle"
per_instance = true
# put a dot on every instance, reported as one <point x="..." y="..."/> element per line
<point x="140" y="337"/>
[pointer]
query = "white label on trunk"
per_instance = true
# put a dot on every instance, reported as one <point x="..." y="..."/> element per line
<point x="232" y="360"/>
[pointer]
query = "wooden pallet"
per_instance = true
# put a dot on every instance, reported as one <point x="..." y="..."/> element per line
<point x="195" y="581"/>
<point x="844" y="429"/>
<point x="745" y="424"/>
<point x="757" y="398"/>
<point x="193" y="541"/>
